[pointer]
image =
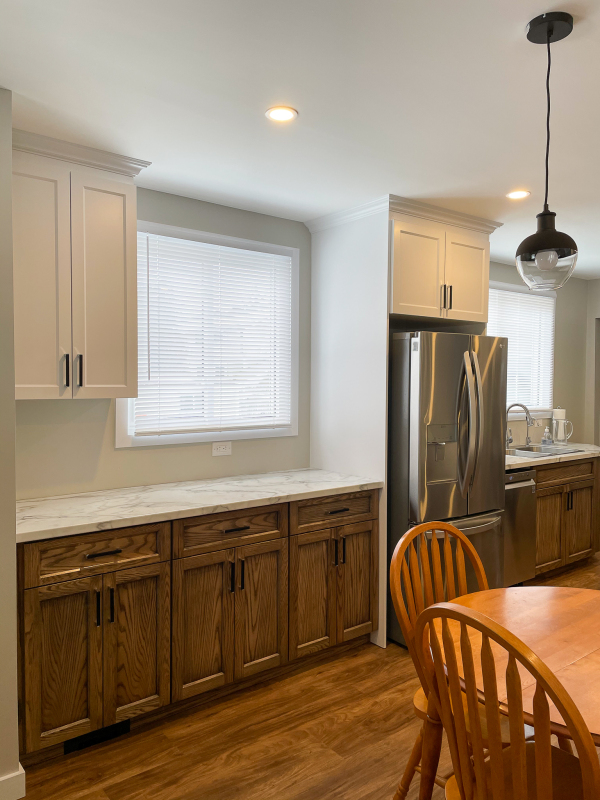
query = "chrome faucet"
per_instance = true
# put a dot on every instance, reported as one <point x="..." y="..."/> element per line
<point x="528" y="421"/>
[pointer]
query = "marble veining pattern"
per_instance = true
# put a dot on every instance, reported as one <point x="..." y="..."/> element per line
<point x="50" y="517"/>
<point x="515" y="462"/>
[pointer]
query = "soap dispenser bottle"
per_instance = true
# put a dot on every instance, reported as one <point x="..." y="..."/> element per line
<point x="547" y="438"/>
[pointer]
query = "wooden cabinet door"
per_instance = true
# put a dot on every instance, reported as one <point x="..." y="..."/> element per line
<point x="42" y="277"/>
<point x="549" y="553"/>
<point x="467" y="274"/>
<point x="578" y="534"/>
<point x="104" y="279"/>
<point x="417" y="267"/>
<point x="137" y="641"/>
<point x="312" y="592"/>
<point x="62" y="661"/>
<point x="261" y="607"/>
<point x="357" y="585"/>
<point x="202" y="623"/>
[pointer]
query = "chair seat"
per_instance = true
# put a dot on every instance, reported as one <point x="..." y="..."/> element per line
<point x="420" y="708"/>
<point x="567" y="783"/>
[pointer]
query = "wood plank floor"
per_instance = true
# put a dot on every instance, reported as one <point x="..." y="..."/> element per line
<point x="342" y="730"/>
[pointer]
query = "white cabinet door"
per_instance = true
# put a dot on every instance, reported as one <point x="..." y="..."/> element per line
<point x="467" y="274"/>
<point x="104" y="242"/>
<point x="417" y="267"/>
<point x="42" y="277"/>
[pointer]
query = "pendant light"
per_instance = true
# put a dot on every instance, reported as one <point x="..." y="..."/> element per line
<point x="547" y="259"/>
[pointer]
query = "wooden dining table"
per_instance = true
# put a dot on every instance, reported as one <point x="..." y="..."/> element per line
<point x="562" y="627"/>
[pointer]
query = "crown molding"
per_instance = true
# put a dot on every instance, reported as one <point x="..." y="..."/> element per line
<point x="349" y="215"/>
<point x="415" y="208"/>
<point x="401" y="205"/>
<point x="77" y="153"/>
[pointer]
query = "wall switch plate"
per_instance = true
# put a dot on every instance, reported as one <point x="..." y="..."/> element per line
<point x="221" y="449"/>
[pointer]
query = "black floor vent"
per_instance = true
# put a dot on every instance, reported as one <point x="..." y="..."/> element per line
<point x="96" y="737"/>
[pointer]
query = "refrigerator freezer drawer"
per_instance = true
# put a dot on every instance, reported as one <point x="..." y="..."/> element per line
<point x="484" y="531"/>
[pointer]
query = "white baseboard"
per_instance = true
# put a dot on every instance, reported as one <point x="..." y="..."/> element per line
<point x="12" y="786"/>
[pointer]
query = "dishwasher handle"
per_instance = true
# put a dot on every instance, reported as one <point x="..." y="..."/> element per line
<point x="521" y="485"/>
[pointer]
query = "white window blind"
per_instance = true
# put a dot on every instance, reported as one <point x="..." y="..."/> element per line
<point x="527" y="321"/>
<point x="215" y="338"/>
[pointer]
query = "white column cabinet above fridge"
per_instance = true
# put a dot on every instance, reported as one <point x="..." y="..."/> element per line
<point x="74" y="257"/>
<point x="438" y="270"/>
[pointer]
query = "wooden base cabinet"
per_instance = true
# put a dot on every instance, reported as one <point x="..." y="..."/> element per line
<point x="333" y="586"/>
<point x="230" y="613"/>
<point x="566" y="514"/>
<point x="63" y="661"/>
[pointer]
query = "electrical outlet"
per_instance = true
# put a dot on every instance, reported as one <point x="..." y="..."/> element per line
<point x="221" y="449"/>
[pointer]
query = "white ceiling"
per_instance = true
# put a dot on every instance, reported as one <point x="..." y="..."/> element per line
<point x="429" y="99"/>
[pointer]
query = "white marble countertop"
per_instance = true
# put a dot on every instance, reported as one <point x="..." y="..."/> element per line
<point x="516" y="462"/>
<point x="49" y="517"/>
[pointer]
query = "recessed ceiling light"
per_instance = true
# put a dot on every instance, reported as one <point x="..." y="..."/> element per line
<point x="281" y="113"/>
<point x="519" y="194"/>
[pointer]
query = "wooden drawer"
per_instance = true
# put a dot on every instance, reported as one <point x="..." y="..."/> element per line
<point x="563" y="472"/>
<point x="71" y="557"/>
<point x="328" y="512"/>
<point x="229" y="529"/>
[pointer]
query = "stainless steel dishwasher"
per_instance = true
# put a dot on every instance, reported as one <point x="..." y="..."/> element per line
<point x="519" y="527"/>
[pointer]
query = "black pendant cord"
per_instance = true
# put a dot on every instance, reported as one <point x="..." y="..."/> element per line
<point x="547" y="117"/>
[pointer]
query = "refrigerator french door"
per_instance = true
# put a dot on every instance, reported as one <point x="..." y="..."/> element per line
<point x="447" y="425"/>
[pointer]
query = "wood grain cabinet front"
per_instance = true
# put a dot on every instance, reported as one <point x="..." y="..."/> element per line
<point x="136" y="641"/>
<point x="62" y="661"/>
<point x="333" y="586"/>
<point x="203" y="623"/>
<point x="95" y="651"/>
<point x="567" y="510"/>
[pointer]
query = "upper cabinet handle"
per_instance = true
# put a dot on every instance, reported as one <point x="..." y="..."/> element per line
<point x="67" y="370"/>
<point x="337" y="511"/>
<point x="80" y="358"/>
<point x="443" y="292"/>
<point x="450" y="297"/>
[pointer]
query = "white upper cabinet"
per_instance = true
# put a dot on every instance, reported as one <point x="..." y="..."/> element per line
<point x="42" y="276"/>
<point x="74" y="261"/>
<point x="418" y="248"/>
<point x="440" y="262"/>
<point x="467" y="274"/>
<point x="104" y="241"/>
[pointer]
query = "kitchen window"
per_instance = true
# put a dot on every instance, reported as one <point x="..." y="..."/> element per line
<point x="526" y="319"/>
<point x="217" y="340"/>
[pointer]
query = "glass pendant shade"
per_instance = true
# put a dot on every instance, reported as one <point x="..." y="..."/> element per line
<point x="547" y="259"/>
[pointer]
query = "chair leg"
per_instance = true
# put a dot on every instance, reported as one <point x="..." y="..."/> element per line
<point x="432" y="746"/>
<point x="411" y="768"/>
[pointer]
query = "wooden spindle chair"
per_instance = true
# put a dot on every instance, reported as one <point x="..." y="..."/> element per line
<point x="464" y="653"/>
<point x="433" y="572"/>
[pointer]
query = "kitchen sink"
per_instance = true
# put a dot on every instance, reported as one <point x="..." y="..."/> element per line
<point x="541" y="450"/>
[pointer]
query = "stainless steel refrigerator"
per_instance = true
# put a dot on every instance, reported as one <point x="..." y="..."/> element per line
<point x="446" y="449"/>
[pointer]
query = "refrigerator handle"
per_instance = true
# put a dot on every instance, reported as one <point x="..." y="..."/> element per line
<point x="465" y="484"/>
<point x="480" y="408"/>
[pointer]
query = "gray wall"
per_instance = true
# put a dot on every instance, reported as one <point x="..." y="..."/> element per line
<point x="592" y="386"/>
<point x="569" y="351"/>
<point x="66" y="446"/>
<point x="12" y="780"/>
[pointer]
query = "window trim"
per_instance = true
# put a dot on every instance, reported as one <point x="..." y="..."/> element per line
<point x="124" y="405"/>
<point x="543" y="413"/>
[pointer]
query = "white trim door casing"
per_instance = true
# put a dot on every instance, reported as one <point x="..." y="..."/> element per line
<point x="42" y="277"/>
<point x="104" y="276"/>
<point x="467" y="273"/>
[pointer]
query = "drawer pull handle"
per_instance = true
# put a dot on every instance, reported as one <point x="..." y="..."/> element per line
<point x="114" y="552"/>
<point x="337" y="511"/>
<point x="235" y="530"/>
